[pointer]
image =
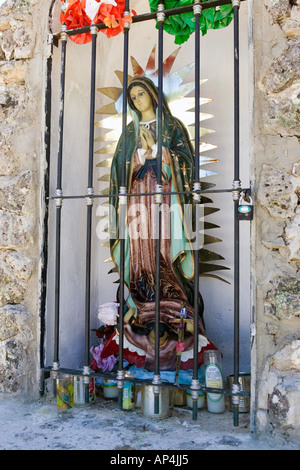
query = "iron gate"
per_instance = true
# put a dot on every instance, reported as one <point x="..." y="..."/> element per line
<point x="198" y="7"/>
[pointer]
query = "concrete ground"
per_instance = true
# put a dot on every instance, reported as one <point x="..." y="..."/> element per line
<point x="102" y="426"/>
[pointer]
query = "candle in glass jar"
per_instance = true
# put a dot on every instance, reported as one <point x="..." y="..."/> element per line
<point x="110" y="389"/>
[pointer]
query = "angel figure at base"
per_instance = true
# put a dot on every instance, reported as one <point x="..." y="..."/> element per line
<point x="176" y="254"/>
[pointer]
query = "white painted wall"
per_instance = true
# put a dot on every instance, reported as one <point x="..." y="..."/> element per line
<point x="217" y="67"/>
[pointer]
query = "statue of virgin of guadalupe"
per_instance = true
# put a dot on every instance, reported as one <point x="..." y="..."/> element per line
<point x="176" y="256"/>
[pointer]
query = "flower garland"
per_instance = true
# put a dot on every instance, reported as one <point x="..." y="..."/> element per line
<point x="110" y="12"/>
<point x="183" y="25"/>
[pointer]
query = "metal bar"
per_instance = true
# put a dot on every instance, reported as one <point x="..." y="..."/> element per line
<point x="180" y="10"/>
<point x="92" y="106"/>
<point x="194" y="191"/>
<point x="236" y="93"/>
<point x="197" y="185"/>
<point x="89" y="215"/>
<point x="47" y="142"/>
<point x="113" y="375"/>
<point x="122" y="213"/>
<point x="156" y="377"/>
<point x="57" y="284"/>
<point x="59" y="201"/>
<point x="152" y="16"/>
<point x="236" y="4"/>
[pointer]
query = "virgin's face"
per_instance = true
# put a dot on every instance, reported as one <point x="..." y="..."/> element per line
<point x="141" y="99"/>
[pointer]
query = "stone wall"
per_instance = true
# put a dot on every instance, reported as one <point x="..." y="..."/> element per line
<point x="276" y="233"/>
<point x="21" y="137"/>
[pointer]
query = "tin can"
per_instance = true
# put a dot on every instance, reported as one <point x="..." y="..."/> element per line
<point x="200" y="402"/>
<point x="79" y="390"/>
<point x="64" y="392"/>
<point x="128" y="396"/>
<point x="244" y="380"/>
<point x="148" y="402"/>
<point x="177" y="397"/>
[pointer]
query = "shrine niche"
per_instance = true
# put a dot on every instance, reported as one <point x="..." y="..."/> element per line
<point x="155" y="164"/>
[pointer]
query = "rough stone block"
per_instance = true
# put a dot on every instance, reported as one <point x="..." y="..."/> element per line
<point x="292" y="237"/>
<point x="4" y="26"/>
<point x="283" y="115"/>
<point x="291" y="24"/>
<point x="15" y="337"/>
<point x="12" y="74"/>
<point x="11" y="369"/>
<point x="24" y="43"/>
<point x="288" y="357"/>
<point x="277" y="192"/>
<point x="279" y="9"/>
<point x="8" y="162"/>
<point x="284" y="70"/>
<point x="14" y="191"/>
<point x="279" y="390"/>
<point x="15" y="271"/>
<point x="284" y="403"/>
<point x="272" y="233"/>
<point x="283" y="300"/>
<point x="16" y="230"/>
<point x="8" y="324"/>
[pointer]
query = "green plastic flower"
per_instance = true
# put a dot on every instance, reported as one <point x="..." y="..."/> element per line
<point x="183" y="25"/>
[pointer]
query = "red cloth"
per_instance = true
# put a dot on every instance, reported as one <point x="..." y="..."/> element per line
<point x="111" y="347"/>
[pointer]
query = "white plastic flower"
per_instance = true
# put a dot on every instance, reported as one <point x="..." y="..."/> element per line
<point x="92" y="6"/>
<point x="108" y="313"/>
<point x="110" y="2"/>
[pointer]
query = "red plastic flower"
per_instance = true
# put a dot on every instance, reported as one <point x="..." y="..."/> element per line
<point x="76" y="17"/>
<point x="111" y="15"/>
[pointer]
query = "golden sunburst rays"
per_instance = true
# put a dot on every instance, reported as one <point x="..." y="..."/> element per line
<point x="178" y="94"/>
